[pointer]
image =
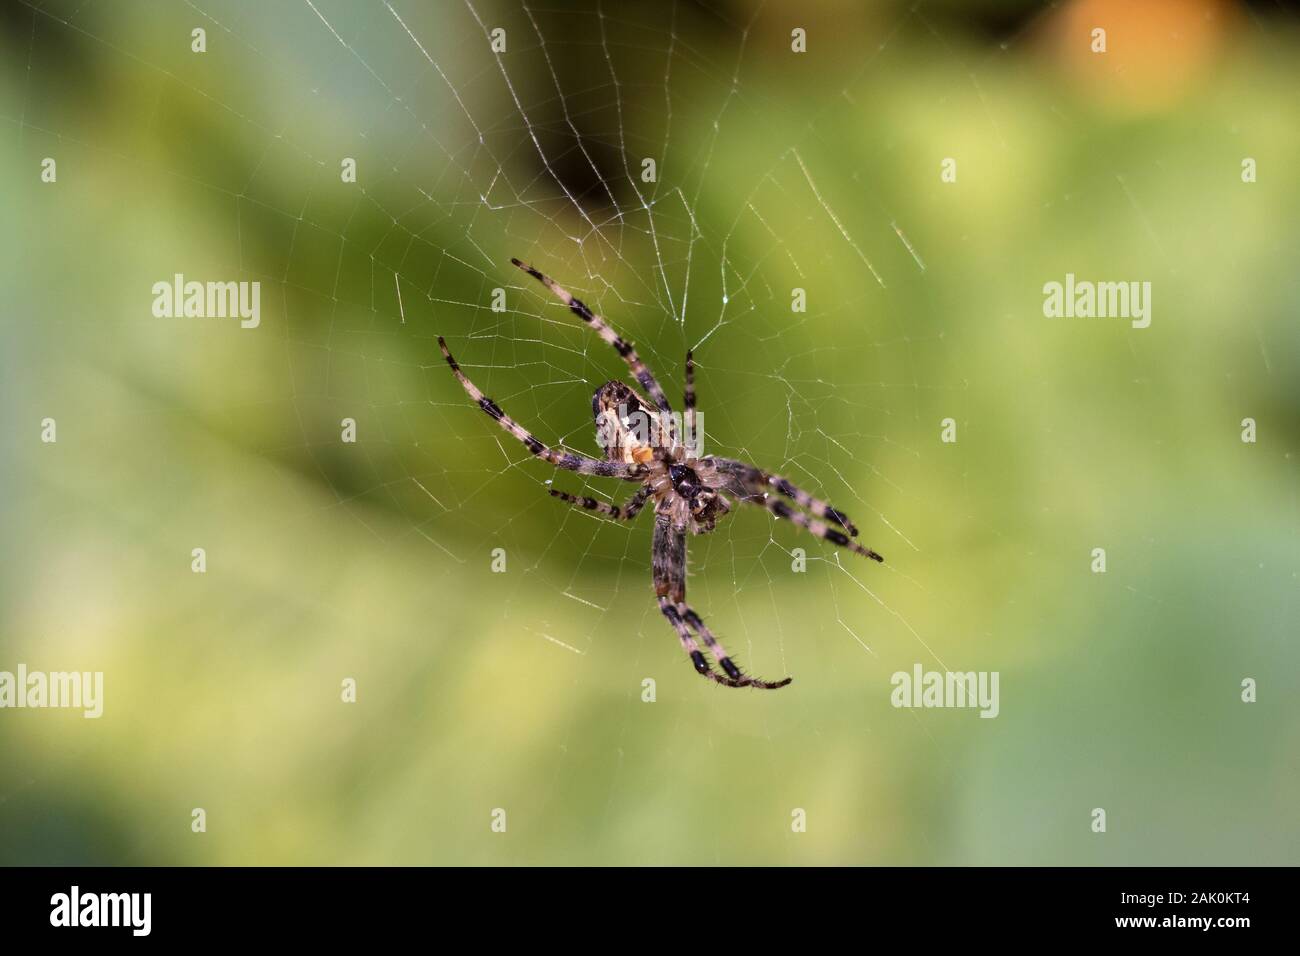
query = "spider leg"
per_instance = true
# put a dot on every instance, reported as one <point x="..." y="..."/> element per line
<point x="756" y="480"/>
<point x="688" y="643"/>
<point x="819" y="528"/>
<point x="560" y="459"/>
<point x="626" y="511"/>
<point x="668" y="559"/>
<point x="724" y="660"/>
<point x="620" y="345"/>
<point x="688" y="403"/>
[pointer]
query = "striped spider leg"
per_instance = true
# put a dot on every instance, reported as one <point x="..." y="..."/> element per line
<point x="566" y="460"/>
<point x="624" y="512"/>
<point x="688" y="408"/>
<point x="624" y="348"/>
<point x="750" y="484"/>
<point x="668" y="559"/>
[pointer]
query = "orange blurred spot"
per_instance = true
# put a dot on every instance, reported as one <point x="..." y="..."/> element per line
<point x="1156" y="50"/>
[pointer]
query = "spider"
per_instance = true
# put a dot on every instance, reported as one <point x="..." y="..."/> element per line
<point x="690" y="493"/>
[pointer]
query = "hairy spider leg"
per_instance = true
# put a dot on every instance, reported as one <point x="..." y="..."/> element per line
<point x="756" y="481"/>
<point x="818" y="528"/>
<point x="688" y="401"/>
<point x="668" y="559"/>
<point x="625" y="512"/>
<point x="624" y="348"/>
<point x="560" y="459"/>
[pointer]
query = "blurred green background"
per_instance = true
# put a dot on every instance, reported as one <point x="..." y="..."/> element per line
<point x="775" y="170"/>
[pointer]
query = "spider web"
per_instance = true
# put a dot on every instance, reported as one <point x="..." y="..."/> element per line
<point x="467" y="157"/>
<point x="474" y="155"/>
<point x="774" y="172"/>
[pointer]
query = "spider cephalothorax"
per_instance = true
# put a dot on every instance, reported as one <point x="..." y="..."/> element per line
<point x="641" y="443"/>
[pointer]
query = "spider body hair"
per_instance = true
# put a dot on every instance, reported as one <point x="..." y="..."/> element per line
<point x="627" y="428"/>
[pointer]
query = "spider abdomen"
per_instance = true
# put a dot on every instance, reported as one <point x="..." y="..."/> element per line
<point x="627" y="428"/>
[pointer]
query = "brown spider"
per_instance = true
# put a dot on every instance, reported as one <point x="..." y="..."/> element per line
<point x="689" y="492"/>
